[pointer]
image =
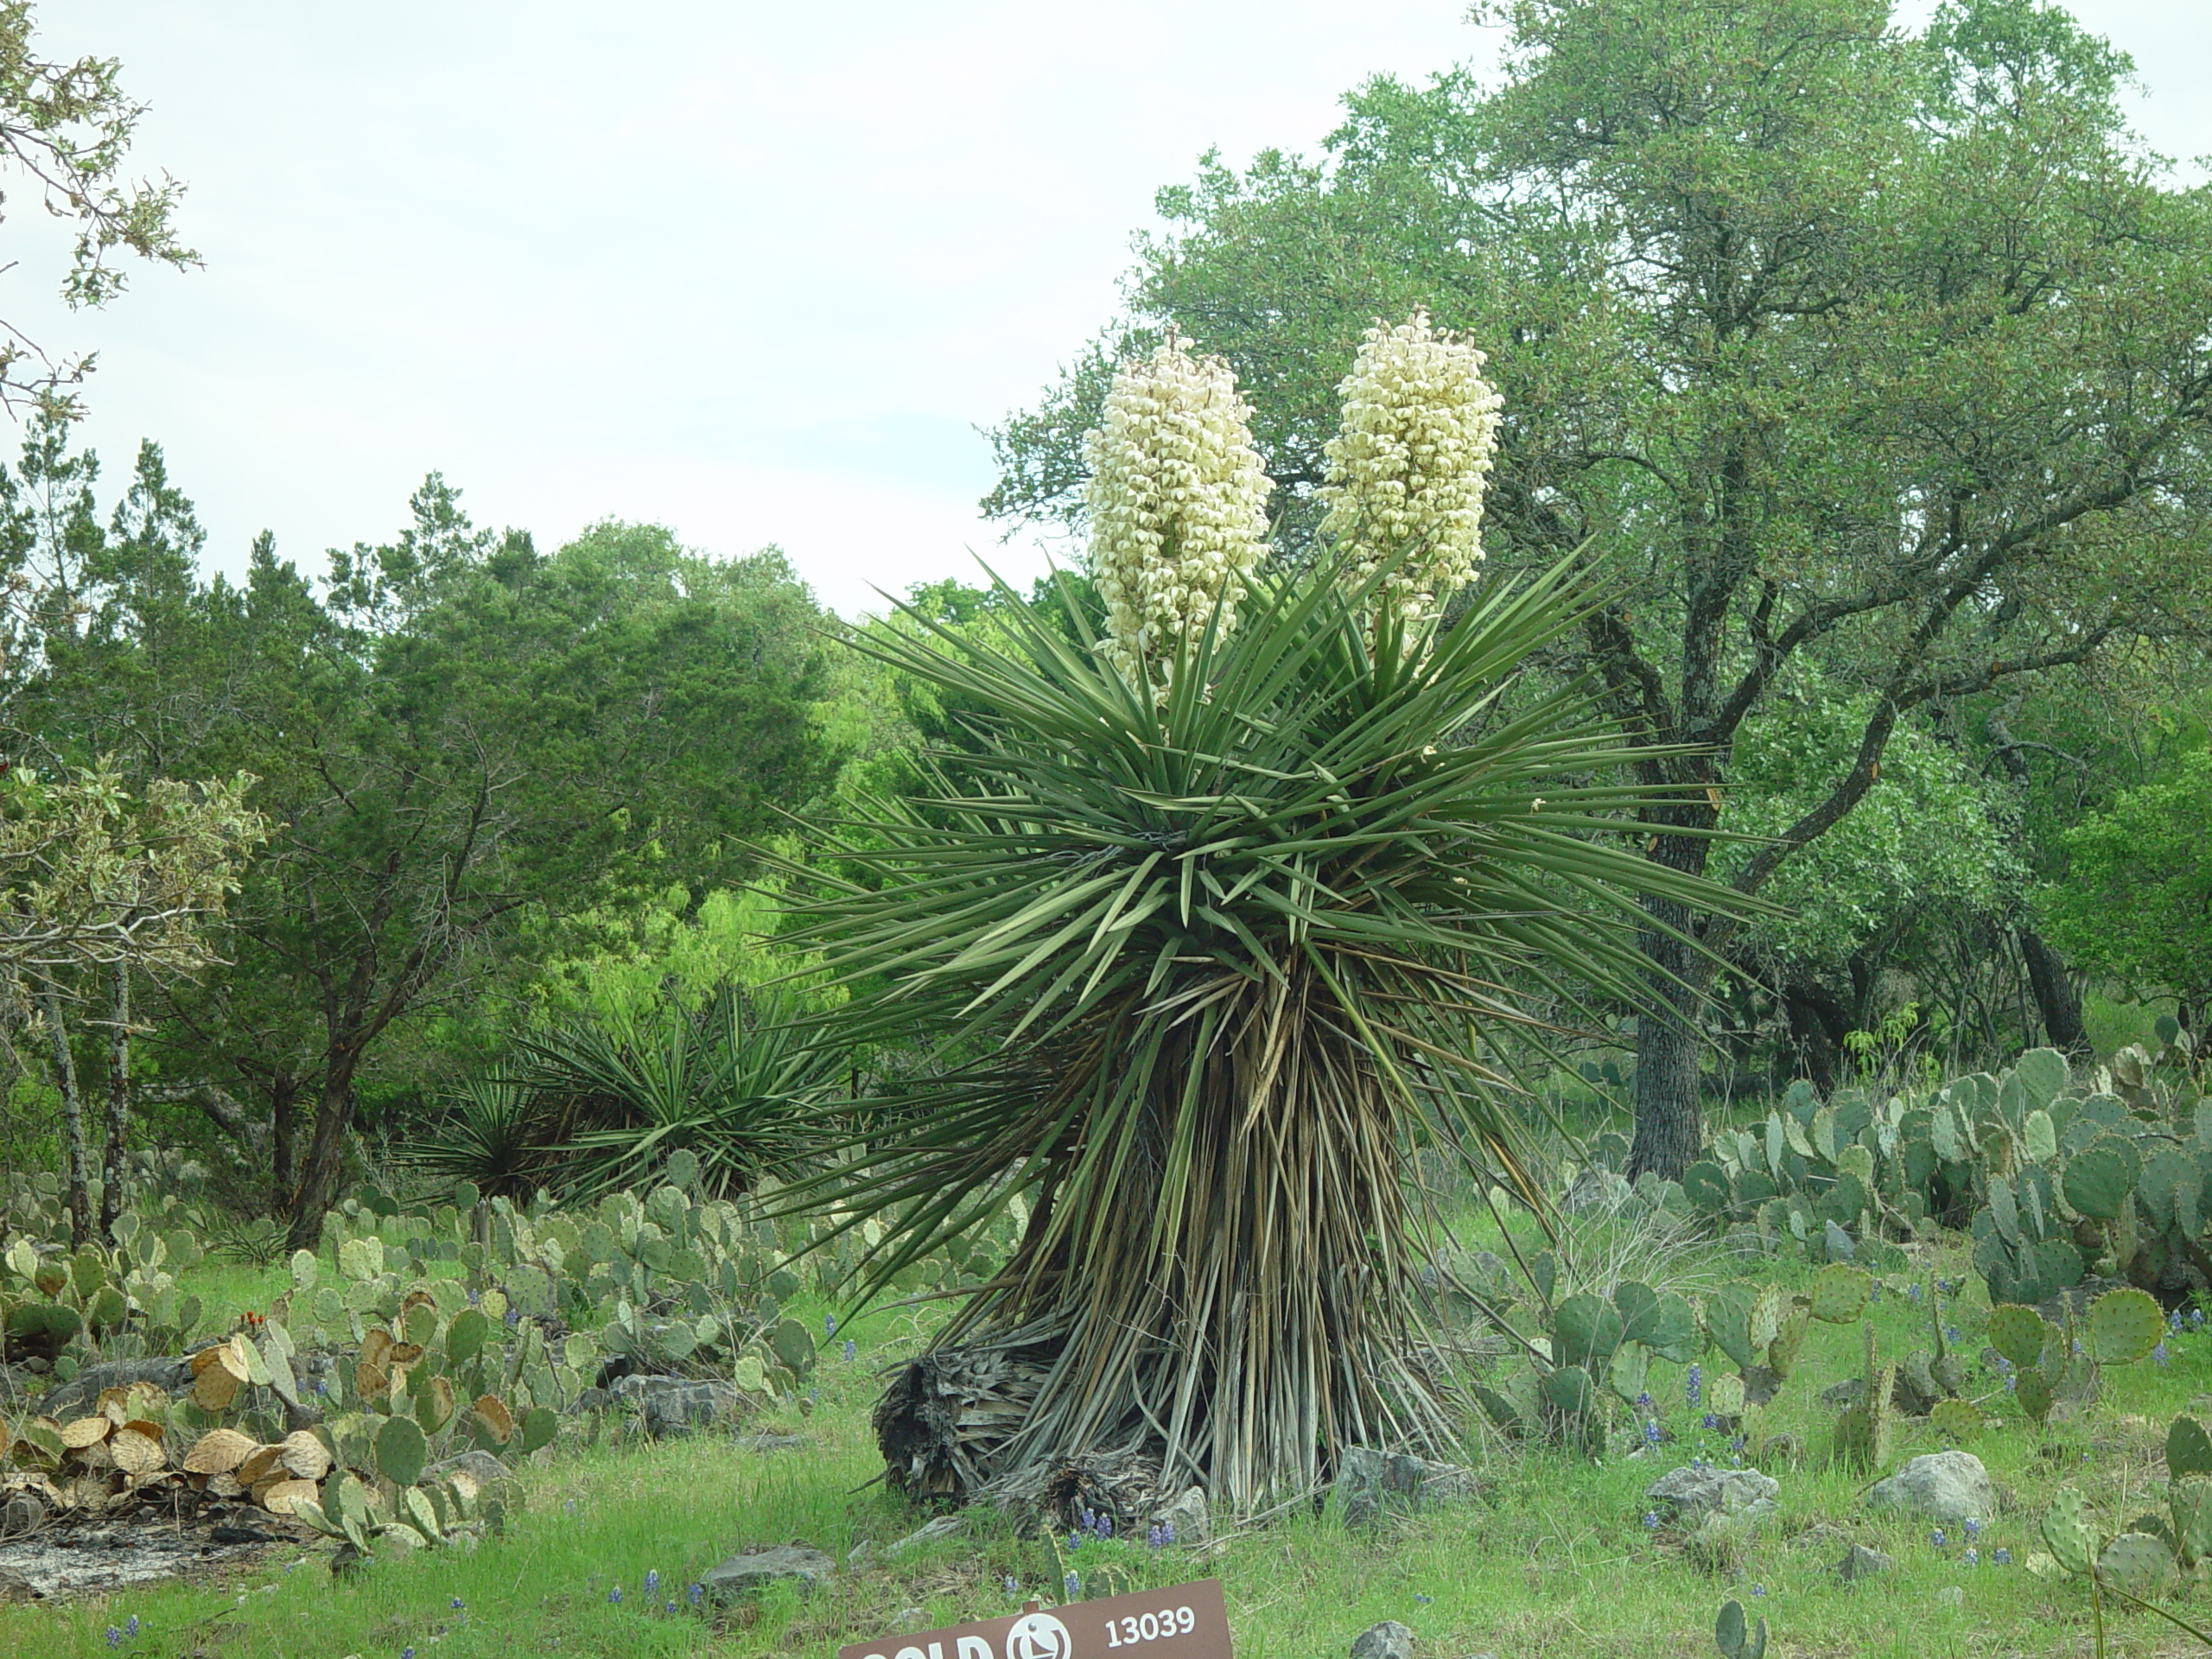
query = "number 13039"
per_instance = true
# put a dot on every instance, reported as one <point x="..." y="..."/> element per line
<point x="1149" y="1627"/>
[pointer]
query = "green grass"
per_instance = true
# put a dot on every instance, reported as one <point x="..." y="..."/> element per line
<point x="1556" y="1558"/>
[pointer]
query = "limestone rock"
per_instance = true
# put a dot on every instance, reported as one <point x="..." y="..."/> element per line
<point x="1388" y="1640"/>
<point x="1692" y="1494"/>
<point x="672" y="1406"/>
<point x="1943" y="1486"/>
<point x="1369" y="1481"/>
<point x="1860" y="1562"/>
<point x="743" y="1574"/>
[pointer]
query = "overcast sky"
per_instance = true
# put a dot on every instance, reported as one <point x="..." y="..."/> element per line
<point x="753" y="272"/>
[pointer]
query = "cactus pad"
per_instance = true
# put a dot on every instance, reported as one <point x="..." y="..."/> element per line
<point x="1840" y="1293"/>
<point x="401" y="1451"/>
<point x="1724" y="1394"/>
<point x="2137" y="1562"/>
<point x="2188" y="1449"/>
<point x="2034" y="1395"/>
<point x="2017" y="1333"/>
<point x="2190" y="1501"/>
<point x="1706" y="1184"/>
<point x="2041" y="1073"/>
<point x="1959" y="1419"/>
<point x="2123" y="1326"/>
<point x="2099" y="1177"/>
<point x="1732" y="1639"/>
<point x="1587" y="1331"/>
<point x="1569" y="1391"/>
<point x="2066" y="1529"/>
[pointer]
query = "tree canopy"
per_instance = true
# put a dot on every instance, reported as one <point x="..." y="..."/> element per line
<point x="1858" y="362"/>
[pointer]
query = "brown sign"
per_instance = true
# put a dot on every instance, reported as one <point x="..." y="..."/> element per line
<point x="1185" y="1621"/>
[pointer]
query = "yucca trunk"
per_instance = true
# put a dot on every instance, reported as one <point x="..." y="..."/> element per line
<point x="1235" y="1311"/>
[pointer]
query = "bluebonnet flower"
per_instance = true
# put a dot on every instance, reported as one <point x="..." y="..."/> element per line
<point x="1651" y="1520"/>
<point x="1152" y="1538"/>
<point x="1973" y="1528"/>
<point x="1936" y="1537"/>
<point x="2000" y="1557"/>
<point x="1424" y="1600"/>
<point x="671" y="1606"/>
<point x="653" y="1582"/>
<point x="1167" y="1531"/>
<point x="472" y="1298"/>
<point x="1950" y="1333"/>
<point x="1643" y="1402"/>
<point x="848" y="1347"/>
<point x="1874" y="1292"/>
<point x="615" y="1595"/>
<point x="1075" y="1541"/>
<point x="1013" y="1585"/>
<point x="407" y="1653"/>
<point x="2158" y="1354"/>
<point x="2197" y="1318"/>
<point x="130" y="1625"/>
<point x="1650" y="1432"/>
<point x="1711" y="1421"/>
<point x="114" y="1636"/>
<point x="460" y="1606"/>
<point x="1759" y="1589"/>
<point x="2173" y="1321"/>
<point x="2012" y="1384"/>
<point x="514" y="1318"/>
<point x="696" y="1593"/>
<point x="829" y="1325"/>
<point x="1073" y="1583"/>
<point x="1694" y="1387"/>
<point x="1972" y="1558"/>
<point x="1912" y="1292"/>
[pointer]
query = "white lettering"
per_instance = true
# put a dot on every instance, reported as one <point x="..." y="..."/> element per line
<point x="910" y="1653"/>
<point x="975" y="1647"/>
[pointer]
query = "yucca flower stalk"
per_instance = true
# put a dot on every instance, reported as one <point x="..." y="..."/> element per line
<point x="1406" y="472"/>
<point x="1178" y="500"/>
<point x="1198" y="963"/>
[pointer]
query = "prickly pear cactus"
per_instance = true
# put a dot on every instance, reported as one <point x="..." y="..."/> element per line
<point x="2122" y="1327"/>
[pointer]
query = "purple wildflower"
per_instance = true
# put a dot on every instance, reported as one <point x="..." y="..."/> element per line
<point x="2000" y="1557"/>
<point x="1694" y="1387"/>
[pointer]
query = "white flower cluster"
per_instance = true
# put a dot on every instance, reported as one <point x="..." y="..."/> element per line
<point x="1178" y="503"/>
<point x="1407" y="468"/>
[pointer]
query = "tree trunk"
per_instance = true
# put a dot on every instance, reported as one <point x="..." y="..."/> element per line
<point x="1668" y="1128"/>
<point x="1811" y="1033"/>
<point x="284" y="1155"/>
<point x="317" y="1186"/>
<point x="72" y="1112"/>
<point x="119" y="1103"/>
<point x="2057" y="1001"/>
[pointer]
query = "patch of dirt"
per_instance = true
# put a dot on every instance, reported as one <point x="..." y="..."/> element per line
<point x="63" y="1561"/>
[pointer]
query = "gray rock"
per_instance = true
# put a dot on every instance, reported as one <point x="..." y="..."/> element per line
<point x="1189" y="1516"/>
<point x="859" y="1556"/>
<point x="1944" y="1486"/>
<point x="773" y="1442"/>
<point x="86" y="1386"/>
<point x="944" y="1526"/>
<point x="1952" y="1595"/>
<point x="1840" y="1247"/>
<point x="1369" y="1482"/>
<point x="744" y="1574"/>
<point x="1860" y="1562"/>
<point x="476" y="1473"/>
<point x="1388" y="1640"/>
<point x="1691" y="1495"/>
<point x="672" y="1406"/>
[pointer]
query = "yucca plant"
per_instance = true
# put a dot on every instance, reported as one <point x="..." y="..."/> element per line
<point x="730" y="1080"/>
<point x="1198" y="971"/>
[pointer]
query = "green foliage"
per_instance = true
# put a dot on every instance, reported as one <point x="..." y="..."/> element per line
<point x="2136" y="902"/>
<point x="599" y="1102"/>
